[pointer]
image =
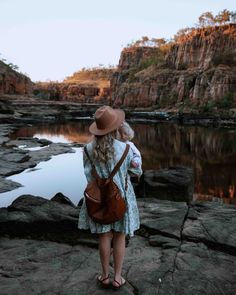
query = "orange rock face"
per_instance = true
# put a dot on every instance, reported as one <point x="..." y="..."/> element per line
<point x="72" y="92"/>
<point x="12" y="82"/>
<point x="199" y="69"/>
<point x="85" y="86"/>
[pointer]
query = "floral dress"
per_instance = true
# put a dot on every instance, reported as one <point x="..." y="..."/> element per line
<point x="130" y="221"/>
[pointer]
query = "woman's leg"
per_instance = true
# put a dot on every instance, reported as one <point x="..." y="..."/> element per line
<point x="104" y="251"/>
<point x="118" y="254"/>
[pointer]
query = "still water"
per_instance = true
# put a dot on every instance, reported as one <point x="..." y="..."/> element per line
<point x="210" y="152"/>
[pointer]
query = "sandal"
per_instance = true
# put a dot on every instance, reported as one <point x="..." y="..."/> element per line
<point x="101" y="281"/>
<point x="120" y="284"/>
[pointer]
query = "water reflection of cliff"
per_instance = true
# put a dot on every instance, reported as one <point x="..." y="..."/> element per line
<point x="211" y="152"/>
<point x="72" y="132"/>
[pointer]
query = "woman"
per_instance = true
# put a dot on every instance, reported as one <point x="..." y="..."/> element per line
<point x="105" y="151"/>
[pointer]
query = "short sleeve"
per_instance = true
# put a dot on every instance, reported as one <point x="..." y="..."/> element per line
<point x="137" y="171"/>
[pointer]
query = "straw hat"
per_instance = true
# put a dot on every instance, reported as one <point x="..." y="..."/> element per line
<point x="107" y="119"/>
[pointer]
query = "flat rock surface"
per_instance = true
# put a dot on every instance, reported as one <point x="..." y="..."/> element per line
<point x="212" y="223"/>
<point x="162" y="216"/>
<point x="169" y="254"/>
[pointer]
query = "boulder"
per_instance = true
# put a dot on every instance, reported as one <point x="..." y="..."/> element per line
<point x="173" y="183"/>
<point x="61" y="199"/>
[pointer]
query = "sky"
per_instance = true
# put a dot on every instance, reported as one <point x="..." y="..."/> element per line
<point x="52" y="39"/>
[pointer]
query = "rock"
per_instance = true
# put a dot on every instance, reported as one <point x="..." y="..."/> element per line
<point x="8" y="185"/>
<point x="204" y="48"/>
<point x="89" y="86"/>
<point x="5" y="130"/>
<point x="172" y="256"/>
<point x="196" y="72"/>
<point x="38" y="216"/>
<point x="163" y="242"/>
<point x="174" y="183"/>
<point x="132" y="56"/>
<point x="60" y="198"/>
<point x="29" y="110"/>
<point x="212" y="223"/>
<point x="189" y="269"/>
<point x="162" y="217"/>
<point x="26" y="265"/>
<point x="12" y="82"/>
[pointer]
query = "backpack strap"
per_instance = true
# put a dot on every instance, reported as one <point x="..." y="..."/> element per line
<point x="116" y="168"/>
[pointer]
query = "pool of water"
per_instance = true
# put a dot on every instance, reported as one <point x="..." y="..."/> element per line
<point x="63" y="173"/>
<point x="210" y="152"/>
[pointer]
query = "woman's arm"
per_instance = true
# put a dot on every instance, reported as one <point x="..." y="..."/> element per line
<point x="134" y="170"/>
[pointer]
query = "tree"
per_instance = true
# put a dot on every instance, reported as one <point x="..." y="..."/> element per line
<point x="206" y="19"/>
<point x="145" y="39"/>
<point x="158" y="41"/>
<point x="182" y="33"/>
<point x="12" y="66"/>
<point x="233" y="17"/>
<point x="223" y="17"/>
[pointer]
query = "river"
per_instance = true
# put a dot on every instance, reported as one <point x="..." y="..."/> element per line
<point x="211" y="152"/>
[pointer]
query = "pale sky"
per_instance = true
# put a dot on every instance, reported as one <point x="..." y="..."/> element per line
<point x="52" y="39"/>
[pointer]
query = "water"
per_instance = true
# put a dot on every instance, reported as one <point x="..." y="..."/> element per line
<point x="63" y="173"/>
<point x="210" y="152"/>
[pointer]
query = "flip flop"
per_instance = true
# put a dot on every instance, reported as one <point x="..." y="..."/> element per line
<point x="101" y="281"/>
<point x="120" y="284"/>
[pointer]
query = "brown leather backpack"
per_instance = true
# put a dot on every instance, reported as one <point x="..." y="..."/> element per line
<point x="104" y="201"/>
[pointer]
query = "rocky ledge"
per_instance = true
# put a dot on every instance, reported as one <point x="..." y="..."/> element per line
<point x="30" y="110"/>
<point x="180" y="249"/>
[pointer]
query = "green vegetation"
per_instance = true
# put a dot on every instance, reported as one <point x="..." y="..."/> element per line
<point x="205" y="20"/>
<point x="226" y="102"/>
<point x="9" y="64"/>
<point x="155" y="60"/>
<point x="222" y="18"/>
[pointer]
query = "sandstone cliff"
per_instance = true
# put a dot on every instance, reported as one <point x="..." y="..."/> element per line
<point x="12" y="82"/>
<point x="85" y="86"/>
<point x="200" y="69"/>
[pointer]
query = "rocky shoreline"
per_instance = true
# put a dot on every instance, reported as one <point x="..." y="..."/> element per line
<point x="29" y="110"/>
<point x="179" y="249"/>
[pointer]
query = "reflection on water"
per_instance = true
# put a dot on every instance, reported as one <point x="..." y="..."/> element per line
<point x="210" y="152"/>
<point x="70" y="132"/>
<point x="63" y="173"/>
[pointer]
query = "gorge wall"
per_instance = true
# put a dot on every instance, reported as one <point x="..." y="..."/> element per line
<point x="12" y="82"/>
<point x="75" y="92"/>
<point x="198" y="69"/>
<point x="85" y="86"/>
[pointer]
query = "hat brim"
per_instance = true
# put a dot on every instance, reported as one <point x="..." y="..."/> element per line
<point x="115" y="124"/>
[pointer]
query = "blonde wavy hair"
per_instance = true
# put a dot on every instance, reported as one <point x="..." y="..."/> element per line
<point x="103" y="149"/>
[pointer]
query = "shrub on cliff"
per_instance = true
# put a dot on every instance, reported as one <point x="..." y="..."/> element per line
<point x="155" y="60"/>
<point x="226" y="102"/>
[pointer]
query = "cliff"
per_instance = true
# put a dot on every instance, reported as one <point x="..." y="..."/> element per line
<point x="85" y="86"/>
<point x="198" y="70"/>
<point x="12" y="82"/>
